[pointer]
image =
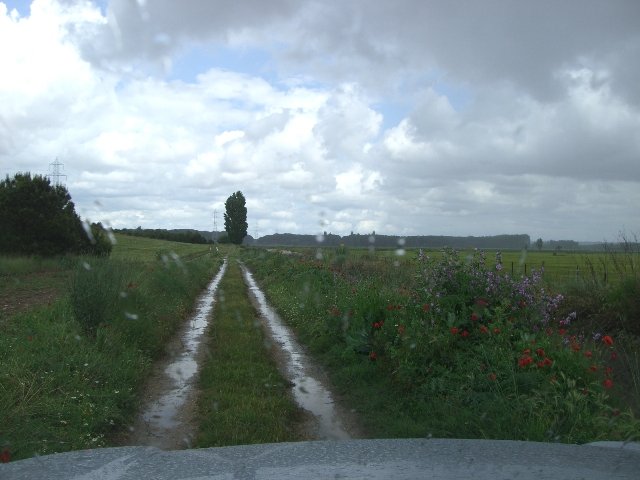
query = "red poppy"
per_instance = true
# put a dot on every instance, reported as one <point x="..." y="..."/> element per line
<point x="613" y="356"/>
<point x="524" y="361"/>
<point x="575" y="347"/>
<point x="608" y="371"/>
<point x="390" y="307"/>
<point x="492" y="377"/>
<point x="474" y="317"/>
<point x="540" y="352"/>
<point x="5" y="456"/>
<point x="526" y="351"/>
<point x="465" y="333"/>
<point x="588" y="354"/>
<point x="593" y="368"/>
<point x="484" y="329"/>
<point x="496" y="330"/>
<point x="426" y="307"/>
<point x="400" y="329"/>
<point x="481" y="302"/>
<point x="378" y="325"/>
<point x="608" y="383"/>
<point x="373" y="356"/>
<point x="547" y="361"/>
<point x="607" y="340"/>
<point x="454" y="330"/>
<point x="561" y="331"/>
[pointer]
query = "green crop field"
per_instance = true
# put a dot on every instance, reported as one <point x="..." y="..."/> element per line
<point x="147" y="249"/>
<point x="559" y="268"/>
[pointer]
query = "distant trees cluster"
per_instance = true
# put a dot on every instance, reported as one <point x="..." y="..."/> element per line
<point x="392" y="241"/>
<point x="557" y="244"/>
<point x="37" y="218"/>
<point x="184" y="236"/>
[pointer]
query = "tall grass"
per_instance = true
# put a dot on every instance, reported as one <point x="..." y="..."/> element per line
<point x="244" y="399"/>
<point x="450" y="348"/>
<point x="23" y="265"/>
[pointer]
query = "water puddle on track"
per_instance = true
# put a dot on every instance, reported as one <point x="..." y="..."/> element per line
<point x="166" y="420"/>
<point x="308" y="391"/>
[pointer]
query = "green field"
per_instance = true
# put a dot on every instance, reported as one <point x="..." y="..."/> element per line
<point x="559" y="267"/>
<point x="149" y="249"/>
<point x="445" y="346"/>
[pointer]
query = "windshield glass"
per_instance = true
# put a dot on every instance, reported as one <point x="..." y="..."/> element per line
<point x="420" y="217"/>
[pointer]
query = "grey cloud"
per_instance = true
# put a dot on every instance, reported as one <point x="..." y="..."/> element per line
<point x="150" y="31"/>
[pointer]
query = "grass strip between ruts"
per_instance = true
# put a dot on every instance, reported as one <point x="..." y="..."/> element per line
<point x="243" y="399"/>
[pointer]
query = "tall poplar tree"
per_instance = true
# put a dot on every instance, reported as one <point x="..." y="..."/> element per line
<point x="235" y="218"/>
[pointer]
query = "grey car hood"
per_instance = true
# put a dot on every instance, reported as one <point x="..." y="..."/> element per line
<point x="353" y="459"/>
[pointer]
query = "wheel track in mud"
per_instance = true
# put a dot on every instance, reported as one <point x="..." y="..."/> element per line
<point x="169" y="418"/>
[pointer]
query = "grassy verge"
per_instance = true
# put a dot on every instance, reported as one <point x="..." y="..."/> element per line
<point x="450" y="348"/>
<point x="71" y="371"/>
<point x="243" y="399"/>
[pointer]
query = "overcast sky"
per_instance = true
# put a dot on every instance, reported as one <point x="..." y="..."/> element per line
<point x="404" y="117"/>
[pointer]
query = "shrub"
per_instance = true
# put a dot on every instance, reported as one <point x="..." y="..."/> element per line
<point x="95" y="292"/>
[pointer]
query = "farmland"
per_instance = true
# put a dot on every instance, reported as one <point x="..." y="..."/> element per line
<point x="416" y="344"/>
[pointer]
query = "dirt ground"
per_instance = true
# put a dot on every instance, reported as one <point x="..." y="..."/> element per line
<point x="22" y="293"/>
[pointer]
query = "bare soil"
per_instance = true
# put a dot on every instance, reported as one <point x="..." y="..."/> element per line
<point x="22" y="293"/>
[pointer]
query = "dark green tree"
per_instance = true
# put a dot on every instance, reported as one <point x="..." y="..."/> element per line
<point x="39" y="218"/>
<point x="235" y="218"/>
<point x="539" y="244"/>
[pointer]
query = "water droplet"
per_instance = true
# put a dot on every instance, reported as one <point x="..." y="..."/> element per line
<point x="401" y="242"/>
<point x="86" y="266"/>
<point x="319" y="255"/>
<point x="320" y="238"/>
<point x="400" y="252"/>
<point x="372" y="239"/>
<point x="131" y="316"/>
<point x="123" y="294"/>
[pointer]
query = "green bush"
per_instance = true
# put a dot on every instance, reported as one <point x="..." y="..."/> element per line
<point x="37" y="218"/>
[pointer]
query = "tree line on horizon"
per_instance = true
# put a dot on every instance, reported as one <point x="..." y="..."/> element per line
<point x="507" y="241"/>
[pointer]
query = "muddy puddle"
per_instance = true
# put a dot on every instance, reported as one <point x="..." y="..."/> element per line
<point x="308" y="390"/>
<point x="167" y="417"/>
